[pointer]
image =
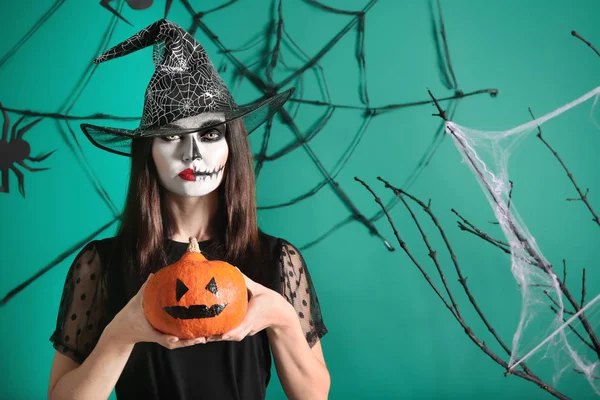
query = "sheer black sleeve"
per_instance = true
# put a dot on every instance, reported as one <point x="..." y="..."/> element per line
<point x="82" y="311"/>
<point x="297" y="288"/>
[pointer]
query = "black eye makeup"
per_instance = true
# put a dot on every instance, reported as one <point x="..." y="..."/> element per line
<point x="170" y="138"/>
<point x="212" y="134"/>
<point x="206" y="134"/>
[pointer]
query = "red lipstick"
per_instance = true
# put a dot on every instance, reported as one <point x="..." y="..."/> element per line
<point x="187" y="175"/>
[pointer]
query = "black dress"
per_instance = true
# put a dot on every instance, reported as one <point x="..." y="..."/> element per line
<point x="94" y="292"/>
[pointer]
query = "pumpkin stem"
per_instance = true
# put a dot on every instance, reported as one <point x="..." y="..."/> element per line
<point x="193" y="247"/>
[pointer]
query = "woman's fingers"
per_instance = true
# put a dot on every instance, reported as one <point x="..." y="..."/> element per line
<point x="238" y="333"/>
<point x="191" y="342"/>
<point x="173" y="342"/>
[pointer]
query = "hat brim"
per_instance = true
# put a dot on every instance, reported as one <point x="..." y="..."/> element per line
<point x="118" y="140"/>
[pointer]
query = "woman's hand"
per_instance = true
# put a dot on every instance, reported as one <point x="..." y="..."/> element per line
<point x="266" y="309"/>
<point x="130" y="326"/>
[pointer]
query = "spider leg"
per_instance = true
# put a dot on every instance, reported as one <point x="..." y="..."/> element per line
<point x="24" y="129"/>
<point x="5" y="125"/>
<point x="168" y="7"/>
<point x="13" y="134"/>
<point x="4" y="187"/>
<point x="41" y="157"/>
<point x="21" y="180"/>
<point x="28" y="168"/>
<point x="104" y="3"/>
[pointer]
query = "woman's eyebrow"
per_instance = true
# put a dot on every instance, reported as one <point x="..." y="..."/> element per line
<point x="205" y="123"/>
<point x="211" y="122"/>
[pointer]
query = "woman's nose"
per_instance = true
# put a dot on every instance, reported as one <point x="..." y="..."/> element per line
<point x="193" y="151"/>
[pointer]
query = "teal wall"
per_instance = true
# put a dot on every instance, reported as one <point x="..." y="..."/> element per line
<point x="389" y="335"/>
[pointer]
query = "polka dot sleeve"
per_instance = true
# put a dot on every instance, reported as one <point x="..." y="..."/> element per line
<point x="298" y="289"/>
<point x="82" y="310"/>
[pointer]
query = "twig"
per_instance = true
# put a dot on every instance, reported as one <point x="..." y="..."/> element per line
<point x="525" y="375"/>
<point x="583" y="373"/>
<point x="556" y="303"/>
<point x="510" y="193"/>
<point x="484" y="236"/>
<point x="402" y="244"/>
<point x="582" y="196"/>
<point x="583" y="288"/>
<point x="479" y="232"/>
<point x="505" y="247"/>
<point x="573" y="329"/>
<point x="585" y="41"/>
<point x="508" y="203"/>
<point x="526" y="245"/>
<point x="463" y="281"/>
<point x="391" y="107"/>
<point x="432" y="253"/>
<point x="578" y="199"/>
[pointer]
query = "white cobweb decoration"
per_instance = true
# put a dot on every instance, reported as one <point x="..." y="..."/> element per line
<point x="567" y="337"/>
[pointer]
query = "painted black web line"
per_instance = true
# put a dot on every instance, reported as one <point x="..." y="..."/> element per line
<point x="59" y="259"/>
<point x="66" y="108"/>
<point x="297" y="75"/>
<point x="63" y="114"/>
<point x="448" y="79"/>
<point x="70" y="102"/>
<point x="450" y="82"/>
<point x="270" y="87"/>
<point x="423" y="163"/>
<point x="41" y="21"/>
<point x="82" y="159"/>
<point x="268" y="59"/>
<point x="56" y="115"/>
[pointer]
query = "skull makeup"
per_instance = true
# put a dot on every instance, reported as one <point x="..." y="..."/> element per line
<point x="192" y="164"/>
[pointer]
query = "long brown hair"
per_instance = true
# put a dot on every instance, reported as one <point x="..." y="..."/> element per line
<point x="146" y="224"/>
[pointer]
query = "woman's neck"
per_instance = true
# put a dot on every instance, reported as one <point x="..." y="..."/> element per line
<point x="193" y="216"/>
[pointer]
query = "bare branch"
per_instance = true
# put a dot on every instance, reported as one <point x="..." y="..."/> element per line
<point x="540" y="261"/>
<point x="582" y="196"/>
<point x="404" y="247"/>
<point x="526" y="374"/>
<point x="583" y="289"/>
<point x="556" y="303"/>
<point x="573" y="329"/>
<point x="585" y="41"/>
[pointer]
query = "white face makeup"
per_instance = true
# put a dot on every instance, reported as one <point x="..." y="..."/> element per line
<point x="192" y="164"/>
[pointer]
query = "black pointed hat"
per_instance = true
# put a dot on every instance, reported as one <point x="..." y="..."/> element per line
<point x="184" y="84"/>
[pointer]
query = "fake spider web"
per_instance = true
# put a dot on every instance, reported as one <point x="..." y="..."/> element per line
<point x="281" y="53"/>
<point x="569" y="339"/>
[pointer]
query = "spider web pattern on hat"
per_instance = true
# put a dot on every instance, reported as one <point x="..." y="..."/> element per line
<point x="185" y="83"/>
<point x="177" y="57"/>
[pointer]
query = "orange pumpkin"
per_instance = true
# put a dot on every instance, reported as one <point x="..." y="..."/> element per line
<point x="195" y="297"/>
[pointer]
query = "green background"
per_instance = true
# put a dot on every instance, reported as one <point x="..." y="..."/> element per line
<point x="389" y="335"/>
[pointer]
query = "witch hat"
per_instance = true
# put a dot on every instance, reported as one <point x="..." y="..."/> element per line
<point x="185" y="83"/>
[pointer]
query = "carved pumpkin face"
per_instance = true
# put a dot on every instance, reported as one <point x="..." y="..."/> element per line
<point x="195" y="297"/>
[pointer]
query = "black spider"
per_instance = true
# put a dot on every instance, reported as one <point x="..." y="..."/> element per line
<point x="15" y="151"/>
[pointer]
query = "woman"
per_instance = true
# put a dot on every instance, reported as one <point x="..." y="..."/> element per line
<point x="191" y="176"/>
